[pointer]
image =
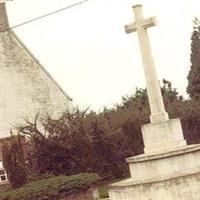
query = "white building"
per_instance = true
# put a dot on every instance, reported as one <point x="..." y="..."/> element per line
<point x="26" y="88"/>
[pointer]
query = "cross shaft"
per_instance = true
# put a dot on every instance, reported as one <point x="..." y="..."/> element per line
<point x="140" y="26"/>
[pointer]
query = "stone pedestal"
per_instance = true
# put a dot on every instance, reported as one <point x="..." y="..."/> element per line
<point x="162" y="136"/>
<point x="171" y="175"/>
<point x="168" y="169"/>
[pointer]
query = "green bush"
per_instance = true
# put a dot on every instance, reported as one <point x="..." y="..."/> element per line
<point x="52" y="188"/>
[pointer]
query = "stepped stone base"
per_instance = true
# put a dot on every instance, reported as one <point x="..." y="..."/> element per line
<point x="172" y="175"/>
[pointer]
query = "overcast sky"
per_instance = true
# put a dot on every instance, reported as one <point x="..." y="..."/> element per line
<point x="87" y="51"/>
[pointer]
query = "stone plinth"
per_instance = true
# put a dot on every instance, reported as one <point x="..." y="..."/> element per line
<point x="172" y="175"/>
<point x="162" y="136"/>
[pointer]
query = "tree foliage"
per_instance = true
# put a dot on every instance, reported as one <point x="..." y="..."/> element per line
<point x="83" y="141"/>
<point x="193" y="88"/>
<point x="14" y="163"/>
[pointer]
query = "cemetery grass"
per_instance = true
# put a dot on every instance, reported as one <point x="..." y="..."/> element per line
<point x="103" y="191"/>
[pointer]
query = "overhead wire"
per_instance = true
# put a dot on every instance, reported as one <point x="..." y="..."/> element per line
<point x="46" y="15"/>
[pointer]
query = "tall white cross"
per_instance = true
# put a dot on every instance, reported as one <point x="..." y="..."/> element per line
<point x="158" y="113"/>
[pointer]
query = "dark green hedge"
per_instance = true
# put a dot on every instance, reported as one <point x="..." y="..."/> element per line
<point x="52" y="188"/>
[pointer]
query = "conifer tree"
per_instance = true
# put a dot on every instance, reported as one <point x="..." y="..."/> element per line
<point x="14" y="162"/>
<point x="193" y="88"/>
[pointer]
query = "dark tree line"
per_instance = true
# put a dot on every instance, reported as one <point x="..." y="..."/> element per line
<point x="83" y="141"/>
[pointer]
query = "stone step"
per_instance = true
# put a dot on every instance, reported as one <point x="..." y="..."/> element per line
<point x="181" y="186"/>
<point x="162" y="164"/>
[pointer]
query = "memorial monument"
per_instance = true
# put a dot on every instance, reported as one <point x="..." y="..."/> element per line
<point x="168" y="169"/>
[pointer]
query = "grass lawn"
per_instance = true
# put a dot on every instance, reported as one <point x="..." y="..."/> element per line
<point x="103" y="191"/>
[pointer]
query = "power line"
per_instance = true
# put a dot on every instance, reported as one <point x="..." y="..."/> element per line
<point x="47" y="15"/>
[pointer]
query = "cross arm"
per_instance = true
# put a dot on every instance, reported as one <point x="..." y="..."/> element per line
<point x="131" y="28"/>
<point x="145" y="23"/>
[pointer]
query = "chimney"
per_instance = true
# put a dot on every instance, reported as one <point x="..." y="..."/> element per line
<point x="4" y="25"/>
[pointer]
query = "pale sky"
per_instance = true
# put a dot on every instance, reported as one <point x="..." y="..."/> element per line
<point x="88" y="53"/>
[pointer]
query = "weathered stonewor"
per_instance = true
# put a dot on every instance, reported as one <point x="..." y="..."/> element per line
<point x="168" y="169"/>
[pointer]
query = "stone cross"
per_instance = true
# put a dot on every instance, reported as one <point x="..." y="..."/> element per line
<point x="158" y="113"/>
